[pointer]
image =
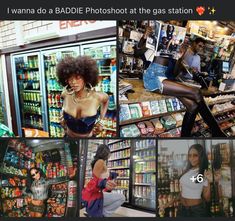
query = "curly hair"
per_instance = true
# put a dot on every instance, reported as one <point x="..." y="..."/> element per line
<point x="83" y="66"/>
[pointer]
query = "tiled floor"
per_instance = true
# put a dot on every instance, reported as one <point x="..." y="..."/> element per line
<point x="126" y="212"/>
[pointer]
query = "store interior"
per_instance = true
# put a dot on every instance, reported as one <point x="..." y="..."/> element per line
<point x="172" y="162"/>
<point x="143" y="113"/>
<point x="35" y="103"/>
<point x="135" y="161"/>
<point x="56" y="159"/>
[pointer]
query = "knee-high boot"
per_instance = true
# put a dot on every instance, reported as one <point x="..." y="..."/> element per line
<point x="188" y="123"/>
<point x="209" y="119"/>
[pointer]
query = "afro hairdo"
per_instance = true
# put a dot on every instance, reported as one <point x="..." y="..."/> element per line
<point x="83" y="66"/>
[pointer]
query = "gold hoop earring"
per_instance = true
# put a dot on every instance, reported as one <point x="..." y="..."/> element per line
<point x="69" y="91"/>
<point x="90" y="86"/>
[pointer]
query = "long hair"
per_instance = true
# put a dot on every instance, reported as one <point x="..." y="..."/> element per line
<point x="102" y="152"/>
<point x="30" y="179"/>
<point x="203" y="161"/>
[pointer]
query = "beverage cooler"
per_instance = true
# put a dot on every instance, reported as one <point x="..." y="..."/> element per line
<point x="135" y="162"/>
<point x="3" y="119"/>
<point x="37" y="92"/>
<point x="56" y="159"/>
<point x="172" y="163"/>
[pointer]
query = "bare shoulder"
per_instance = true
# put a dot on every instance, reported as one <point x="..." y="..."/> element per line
<point x="99" y="164"/>
<point x="101" y="96"/>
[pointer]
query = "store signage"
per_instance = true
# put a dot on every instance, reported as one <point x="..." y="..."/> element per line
<point x="70" y="27"/>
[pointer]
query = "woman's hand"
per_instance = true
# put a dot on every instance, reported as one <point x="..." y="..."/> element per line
<point x="110" y="185"/>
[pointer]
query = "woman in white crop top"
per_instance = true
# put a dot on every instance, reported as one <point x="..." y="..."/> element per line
<point x="194" y="194"/>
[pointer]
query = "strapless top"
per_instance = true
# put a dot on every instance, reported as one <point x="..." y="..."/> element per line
<point x="81" y="125"/>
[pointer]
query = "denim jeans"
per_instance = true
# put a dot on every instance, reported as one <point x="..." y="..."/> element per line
<point x="154" y="76"/>
<point x="193" y="211"/>
<point x="112" y="201"/>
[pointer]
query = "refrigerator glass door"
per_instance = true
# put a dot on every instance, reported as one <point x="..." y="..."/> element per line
<point x="53" y="88"/>
<point x="104" y="52"/>
<point x="144" y="174"/>
<point x="28" y="92"/>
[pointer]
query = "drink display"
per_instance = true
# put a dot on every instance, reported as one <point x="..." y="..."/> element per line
<point x="105" y="56"/>
<point x="144" y="176"/>
<point x="29" y="91"/>
<point x="54" y="89"/>
<point x="119" y="162"/>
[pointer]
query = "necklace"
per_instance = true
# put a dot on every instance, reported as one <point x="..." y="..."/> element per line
<point x="77" y="99"/>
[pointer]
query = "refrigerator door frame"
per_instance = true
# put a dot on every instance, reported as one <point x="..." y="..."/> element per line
<point x="15" y="89"/>
<point x="7" y="119"/>
<point x="44" y="52"/>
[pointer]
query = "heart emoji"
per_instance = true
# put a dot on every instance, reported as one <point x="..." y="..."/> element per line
<point x="200" y="10"/>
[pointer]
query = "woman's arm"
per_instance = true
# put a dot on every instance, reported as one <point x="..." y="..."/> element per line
<point x="104" y="101"/>
<point x="141" y="49"/>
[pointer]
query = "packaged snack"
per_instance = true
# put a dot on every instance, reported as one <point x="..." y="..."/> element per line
<point x="178" y="118"/>
<point x="124" y="112"/>
<point x="168" y="122"/>
<point x="158" y="126"/>
<point x="154" y="105"/>
<point x="146" y="109"/>
<point x="136" y="111"/>
<point x="162" y="106"/>
<point x="169" y="105"/>
<point x="130" y="131"/>
<point x="149" y="127"/>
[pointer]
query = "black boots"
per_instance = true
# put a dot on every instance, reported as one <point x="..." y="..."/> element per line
<point x="209" y="119"/>
<point x="188" y="123"/>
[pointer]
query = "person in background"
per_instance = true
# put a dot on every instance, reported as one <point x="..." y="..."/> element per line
<point x="82" y="104"/>
<point x="97" y="194"/>
<point x="160" y="78"/>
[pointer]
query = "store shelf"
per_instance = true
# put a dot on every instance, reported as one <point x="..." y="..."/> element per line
<point x="148" y="148"/>
<point x="122" y="178"/>
<point x="145" y="172"/>
<point x="32" y="91"/>
<point x="115" y="141"/>
<point x="121" y="188"/>
<point x="142" y="197"/>
<point x="119" y="149"/>
<point x="121" y="158"/>
<point x="119" y="168"/>
<point x="143" y="184"/>
<point x="126" y="122"/>
<point x="55" y="90"/>
<point x="144" y="160"/>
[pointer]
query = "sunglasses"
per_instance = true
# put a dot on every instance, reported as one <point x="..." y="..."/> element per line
<point x="34" y="174"/>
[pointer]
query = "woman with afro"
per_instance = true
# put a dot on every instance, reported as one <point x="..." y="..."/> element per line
<point x="83" y="107"/>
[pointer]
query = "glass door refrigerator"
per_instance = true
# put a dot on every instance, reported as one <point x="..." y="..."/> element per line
<point x="28" y="86"/>
<point x="2" y="103"/>
<point x="104" y="52"/>
<point x="144" y="174"/>
<point x="50" y="59"/>
<point x="55" y="159"/>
